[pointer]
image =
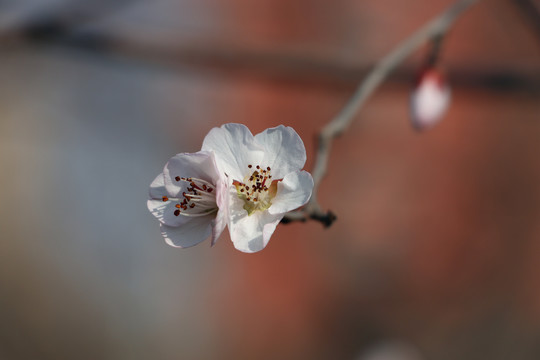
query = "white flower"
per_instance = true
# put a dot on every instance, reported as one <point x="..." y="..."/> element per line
<point x="429" y="99"/>
<point x="264" y="178"/>
<point x="188" y="199"/>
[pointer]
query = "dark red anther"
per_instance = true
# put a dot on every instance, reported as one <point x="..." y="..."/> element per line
<point x="177" y="178"/>
<point x="176" y="212"/>
<point x="192" y="205"/>
<point x="258" y="167"/>
<point x="177" y="206"/>
<point x="250" y="166"/>
<point x="268" y="168"/>
<point x="210" y="190"/>
<point x="164" y="198"/>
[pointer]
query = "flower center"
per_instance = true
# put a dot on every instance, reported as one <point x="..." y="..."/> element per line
<point x="257" y="190"/>
<point x="199" y="199"/>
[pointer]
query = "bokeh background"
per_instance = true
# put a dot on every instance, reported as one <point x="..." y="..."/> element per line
<point x="436" y="250"/>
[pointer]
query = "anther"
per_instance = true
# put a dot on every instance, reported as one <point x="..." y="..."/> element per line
<point x="192" y="205"/>
<point x="258" y="167"/>
<point x="165" y="198"/>
<point x="250" y="166"/>
<point x="176" y="212"/>
<point x="177" y="206"/>
<point x="177" y="178"/>
<point x="268" y="168"/>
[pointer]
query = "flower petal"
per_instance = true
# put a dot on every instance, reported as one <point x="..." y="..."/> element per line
<point x="250" y="233"/>
<point x="163" y="210"/>
<point x="284" y="150"/>
<point x="200" y="165"/>
<point x="222" y="200"/>
<point x="189" y="234"/>
<point x="234" y="148"/>
<point x="293" y="191"/>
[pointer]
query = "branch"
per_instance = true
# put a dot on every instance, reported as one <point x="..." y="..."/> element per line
<point x="531" y="12"/>
<point x="434" y="29"/>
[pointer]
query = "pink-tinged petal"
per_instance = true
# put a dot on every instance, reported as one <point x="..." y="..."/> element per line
<point x="429" y="100"/>
<point x="284" y="150"/>
<point x="199" y="165"/>
<point x="218" y="225"/>
<point x="222" y="200"/>
<point x="189" y="234"/>
<point x="293" y="191"/>
<point x="160" y="206"/>
<point x="234" y="148"/>
<point x="251" y="233"/>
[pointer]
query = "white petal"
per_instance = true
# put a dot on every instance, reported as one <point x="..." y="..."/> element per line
<point x="234" y="148"/>
<point x="284" y="150"/>
<point x="163" y="210"/>
<point x="189" y="234"/>
<point x="251" y="233"/>
<point x="293" y="191"/>
<point x="157" y="188"/>
<point x="222" y="200"/>
<point x="200" y="165"/>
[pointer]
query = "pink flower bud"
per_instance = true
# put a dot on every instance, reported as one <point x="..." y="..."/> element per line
<point x="430" y="98"/>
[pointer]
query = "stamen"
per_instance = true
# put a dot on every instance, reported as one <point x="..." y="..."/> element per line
<point x="164" y="198"/>
<point x="256" y="190"/>
<point x="176" y="212"/>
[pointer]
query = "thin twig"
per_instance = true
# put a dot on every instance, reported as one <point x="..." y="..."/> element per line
<point x="531" y="12"/>
<point x="435" y="28"/>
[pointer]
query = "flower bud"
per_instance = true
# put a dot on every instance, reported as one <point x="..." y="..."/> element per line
<point x="429" y="99"/>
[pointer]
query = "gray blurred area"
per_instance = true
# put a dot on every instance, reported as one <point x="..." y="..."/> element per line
<point x="437" y="240"/>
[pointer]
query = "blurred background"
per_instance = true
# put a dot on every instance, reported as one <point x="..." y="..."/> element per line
<point x="436" y="250"/>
